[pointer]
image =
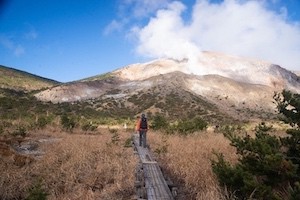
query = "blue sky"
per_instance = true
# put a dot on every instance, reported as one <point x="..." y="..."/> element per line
<point x="68" y="40"/>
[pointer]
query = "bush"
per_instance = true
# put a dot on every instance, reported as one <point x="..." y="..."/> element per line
<point x="263" y="166"/>
<point x="183" y="127"/>
<point x="41" y="122"/>
<point x="37" y="193"/>
<point x="292" y="142"/>
<point x="128" y="142"/>
<point x="189" y="126"/>
<point x="115" y="138"/>
<point x="1" y="130"/>
<point x="67" y="122"/>
<point x="159" y="122"/>
<point x="20" y="131"/>
<point x="288" y="104"/>
<point x="88" y="127"/>
<point x="268" y="167"/>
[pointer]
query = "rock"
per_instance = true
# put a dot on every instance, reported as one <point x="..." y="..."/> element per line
<point x="9" y="155"/>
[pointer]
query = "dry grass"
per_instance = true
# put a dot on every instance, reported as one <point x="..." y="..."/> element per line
<point x="188" y="162"/>
<point x="81" y="166"/>
<point x="75" y="167"/>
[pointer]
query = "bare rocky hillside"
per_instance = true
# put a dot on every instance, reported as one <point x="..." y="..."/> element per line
<point x="240" y="87"/>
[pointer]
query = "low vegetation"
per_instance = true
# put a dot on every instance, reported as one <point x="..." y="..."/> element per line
<point x="268" y="166"/>
<point x="90" y="158"/>
<point x="20" y="109"/>
<point x="74" y="166"/>
<point x="186" y="161"/>
<point x="182" y="126"/>
<point x="20" y="80"/>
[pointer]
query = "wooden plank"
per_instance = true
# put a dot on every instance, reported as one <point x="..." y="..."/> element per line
<point x="154" y="182"/>
<point x="156" y="186"/>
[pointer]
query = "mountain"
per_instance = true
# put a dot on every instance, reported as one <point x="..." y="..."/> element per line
<point x="233" y="67"/>
<point x="19" y="80"/>
<point x="297" y="73"/>
<point x="215" y="84"/>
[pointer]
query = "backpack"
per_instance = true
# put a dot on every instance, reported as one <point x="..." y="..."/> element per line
<point x="144" y="124"/>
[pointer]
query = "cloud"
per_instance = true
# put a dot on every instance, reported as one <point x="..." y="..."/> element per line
<point x="133" y="11"/>
<point x="166" y="35"/>
<point x="19" y="50"/>
<point x="113" y="26"/>
<point x="31" y="34"/>
<point x="244" y="28"/>
<point x="141" y="8"/>
<point x="16" y="49"/>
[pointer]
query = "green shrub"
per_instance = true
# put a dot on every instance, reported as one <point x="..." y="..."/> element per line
<point x="292" y="142"/>
<point x="171" y="129"/>
<point x="20" y="131"/>
<point x="1" y="130"/>
<point x="227" y="130"/>
<point x="189" y="126"/>
<point x="37" y="193"/>
<point x="128" y="142"/>
<point x="199" y="124"/>
<point x="89" y="127"/>
<point x="41" y="122"/>
<point x="262" y="166"/>
<point x="295" y="192"/>
<point x="288" y="104"/>
<point x="115" y="138"/>
<point x="68" y="122"/>
<point x="113" y="130"/>
<point x="268" y="166"/>
<point x="182" y="127"/>
<point x="159" y="122"/>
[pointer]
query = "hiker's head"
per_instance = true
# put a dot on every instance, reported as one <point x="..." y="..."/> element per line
<point x="143" y="115"/>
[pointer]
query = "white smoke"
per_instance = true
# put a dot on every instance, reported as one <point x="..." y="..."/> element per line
<point x="244" y="28"/>
<point x="166" y="35"/>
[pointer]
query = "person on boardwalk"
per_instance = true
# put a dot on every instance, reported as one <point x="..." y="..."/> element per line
<point x="137" y="124"/>
<point x="142" y="127"/>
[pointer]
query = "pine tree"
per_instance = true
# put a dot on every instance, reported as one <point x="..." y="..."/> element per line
<point x="268" y="167"/>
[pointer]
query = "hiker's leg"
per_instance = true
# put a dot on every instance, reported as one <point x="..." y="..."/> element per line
<point x="141" y="137"/>
<point x="144" y="139"/>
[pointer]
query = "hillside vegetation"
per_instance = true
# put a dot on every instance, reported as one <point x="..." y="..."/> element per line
<point x="82" y="150"/>
<point x="19" y="80"/>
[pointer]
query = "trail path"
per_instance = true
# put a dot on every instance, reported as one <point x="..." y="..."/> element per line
<point x="150" y="182"/>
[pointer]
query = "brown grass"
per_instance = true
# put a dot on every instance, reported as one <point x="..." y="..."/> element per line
<point x="75" y="167"/>
<point x="188" y="162"/>
<point x="85" y="166"/>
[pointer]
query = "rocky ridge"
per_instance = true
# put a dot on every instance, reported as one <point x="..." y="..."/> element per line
<point x="232" y="83"/>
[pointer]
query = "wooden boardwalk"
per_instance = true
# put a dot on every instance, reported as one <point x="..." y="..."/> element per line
<point x="150" y="182"/>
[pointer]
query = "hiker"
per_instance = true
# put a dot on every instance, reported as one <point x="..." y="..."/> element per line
<point x="142" y="127"/>
<point x="137" y="124"/>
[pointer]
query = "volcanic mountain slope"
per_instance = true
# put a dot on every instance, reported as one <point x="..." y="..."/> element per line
<point x="216" y="84"/>
<point x="19" y="80"/>
<point x="233" y="67"/>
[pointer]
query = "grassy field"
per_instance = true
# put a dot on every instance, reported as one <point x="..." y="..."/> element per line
<point x="187" y="161"/>
<point x="97" y="165"/>
<point x="76" y="166"/>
